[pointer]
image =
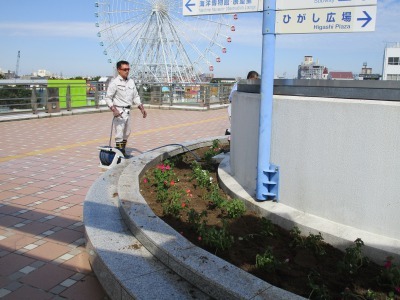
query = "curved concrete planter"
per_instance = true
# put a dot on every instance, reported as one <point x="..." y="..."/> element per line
<point x="208" y="274"/>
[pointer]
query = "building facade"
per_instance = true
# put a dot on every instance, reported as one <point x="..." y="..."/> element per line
<point x="310" y="69"/>
<point x="391" y="62"/>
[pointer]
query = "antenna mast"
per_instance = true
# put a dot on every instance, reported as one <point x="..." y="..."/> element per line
<point x="17" y="67"/>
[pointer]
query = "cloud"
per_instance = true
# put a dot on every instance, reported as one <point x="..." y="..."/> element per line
<point x="49" y="29"/>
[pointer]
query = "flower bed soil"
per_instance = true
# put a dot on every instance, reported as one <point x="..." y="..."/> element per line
<point x="299" y="270"/>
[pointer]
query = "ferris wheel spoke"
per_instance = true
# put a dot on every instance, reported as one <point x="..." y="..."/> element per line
<point x="194" y="47"/>
<point x="140" y="29"/>
<point x="211" y="39"/>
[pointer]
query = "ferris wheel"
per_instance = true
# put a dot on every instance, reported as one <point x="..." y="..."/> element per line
<point x="159" y="42"/>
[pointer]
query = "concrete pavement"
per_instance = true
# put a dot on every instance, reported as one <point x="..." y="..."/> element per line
<point x="46" y="168"/>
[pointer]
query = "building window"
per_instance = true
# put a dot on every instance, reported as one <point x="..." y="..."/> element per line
<point x="394" y="61"/>
<point x="393" y="77"/>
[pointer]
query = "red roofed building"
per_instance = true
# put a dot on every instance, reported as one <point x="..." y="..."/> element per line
<point x="325" y="74"/>
<point x="341" y="76"/>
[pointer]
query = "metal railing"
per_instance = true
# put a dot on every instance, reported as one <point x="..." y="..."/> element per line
<point x="18" y="96"/>
<point x="24" y="96"/>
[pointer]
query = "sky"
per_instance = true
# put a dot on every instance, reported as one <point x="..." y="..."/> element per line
<point x="61" y="37"/>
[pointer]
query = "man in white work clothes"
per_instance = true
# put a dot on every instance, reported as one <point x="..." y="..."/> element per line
<point x="121" y="96"/>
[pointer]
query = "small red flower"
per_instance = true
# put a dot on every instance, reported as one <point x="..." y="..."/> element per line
<point x="199" y="238"/>
<point x="172" y="182"/>
<point x="190" y="195"/>
<point x="183" y="204"/>
<point x="165" y="182"/>
<point x="187" y="191"/>
<point x="388" y="264"/>
<point x="145" y="180"/>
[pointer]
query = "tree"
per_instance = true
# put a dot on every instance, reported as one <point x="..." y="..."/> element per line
<point x="18" y="97"/>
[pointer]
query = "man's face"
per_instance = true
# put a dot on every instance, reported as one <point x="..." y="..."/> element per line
<point x="123" y="71"/>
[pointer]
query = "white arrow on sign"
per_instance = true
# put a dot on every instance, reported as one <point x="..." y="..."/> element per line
<point x="296" y="4"/>
<point x="326" y="20"/>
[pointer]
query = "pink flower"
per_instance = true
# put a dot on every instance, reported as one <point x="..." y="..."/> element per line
<point x="145" y="180"/>
<point x="183" y="204"/>
<point x="190" y="195"/>
<point x="199" y="238"/>
<point x="187" y="191"/>
<point x="167" y="167"/>
<point x="388" y="264"/>
<point x="172" y="182"/>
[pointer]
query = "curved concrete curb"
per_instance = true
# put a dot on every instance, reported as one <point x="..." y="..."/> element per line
<point x="125" y="268"/>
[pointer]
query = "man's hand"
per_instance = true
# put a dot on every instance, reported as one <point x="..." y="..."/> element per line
<point x="115" y="111"/>
<point x="142" y="110"/>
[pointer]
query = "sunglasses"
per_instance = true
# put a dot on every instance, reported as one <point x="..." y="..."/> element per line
<point x="126" y="69"/>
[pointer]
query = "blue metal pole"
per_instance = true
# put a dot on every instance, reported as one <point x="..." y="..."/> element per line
<point x="264" y="169"/>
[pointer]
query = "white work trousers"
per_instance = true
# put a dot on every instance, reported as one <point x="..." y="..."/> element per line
<point x="122" y="126"/>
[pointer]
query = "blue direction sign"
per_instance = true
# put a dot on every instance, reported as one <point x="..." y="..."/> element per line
<point x="326" y="20"/>
<point x="297" y="4"/>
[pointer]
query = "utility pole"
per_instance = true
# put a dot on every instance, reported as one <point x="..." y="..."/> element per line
<point x="17" y="67"/>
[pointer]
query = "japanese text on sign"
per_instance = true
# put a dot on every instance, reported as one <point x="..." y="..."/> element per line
<point x="345" y="19"/>
<point x="209" y="7"/>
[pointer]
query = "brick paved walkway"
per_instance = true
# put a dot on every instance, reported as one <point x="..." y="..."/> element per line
<point x="46" y="168"/>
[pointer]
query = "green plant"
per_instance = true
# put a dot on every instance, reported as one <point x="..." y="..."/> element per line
<point x="267" y="261"/>
<point x="196" y="218"/>
<point x="215" y="197"/>
<point x="370" y="295"/>
<point x="163" y="179"/>
<point x="390" y="276"/>
<point x="162" y="195"/>
<point x="318" y="289"/>
<point x="216" y="145"/>
<point x="297" y="239"/>
<point x="267" y="227"/>
<point x="235" y="208"/>
<point x="218" y="238"/>
<point x="174" y="206"/>
<point x="210" y="153"/>
<point x="202" y="176"/>
<point x="347" y="294"/>
<point x="163" y="173"/>
<point x="353" y="259"/>
<point x="315" y="243"/>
